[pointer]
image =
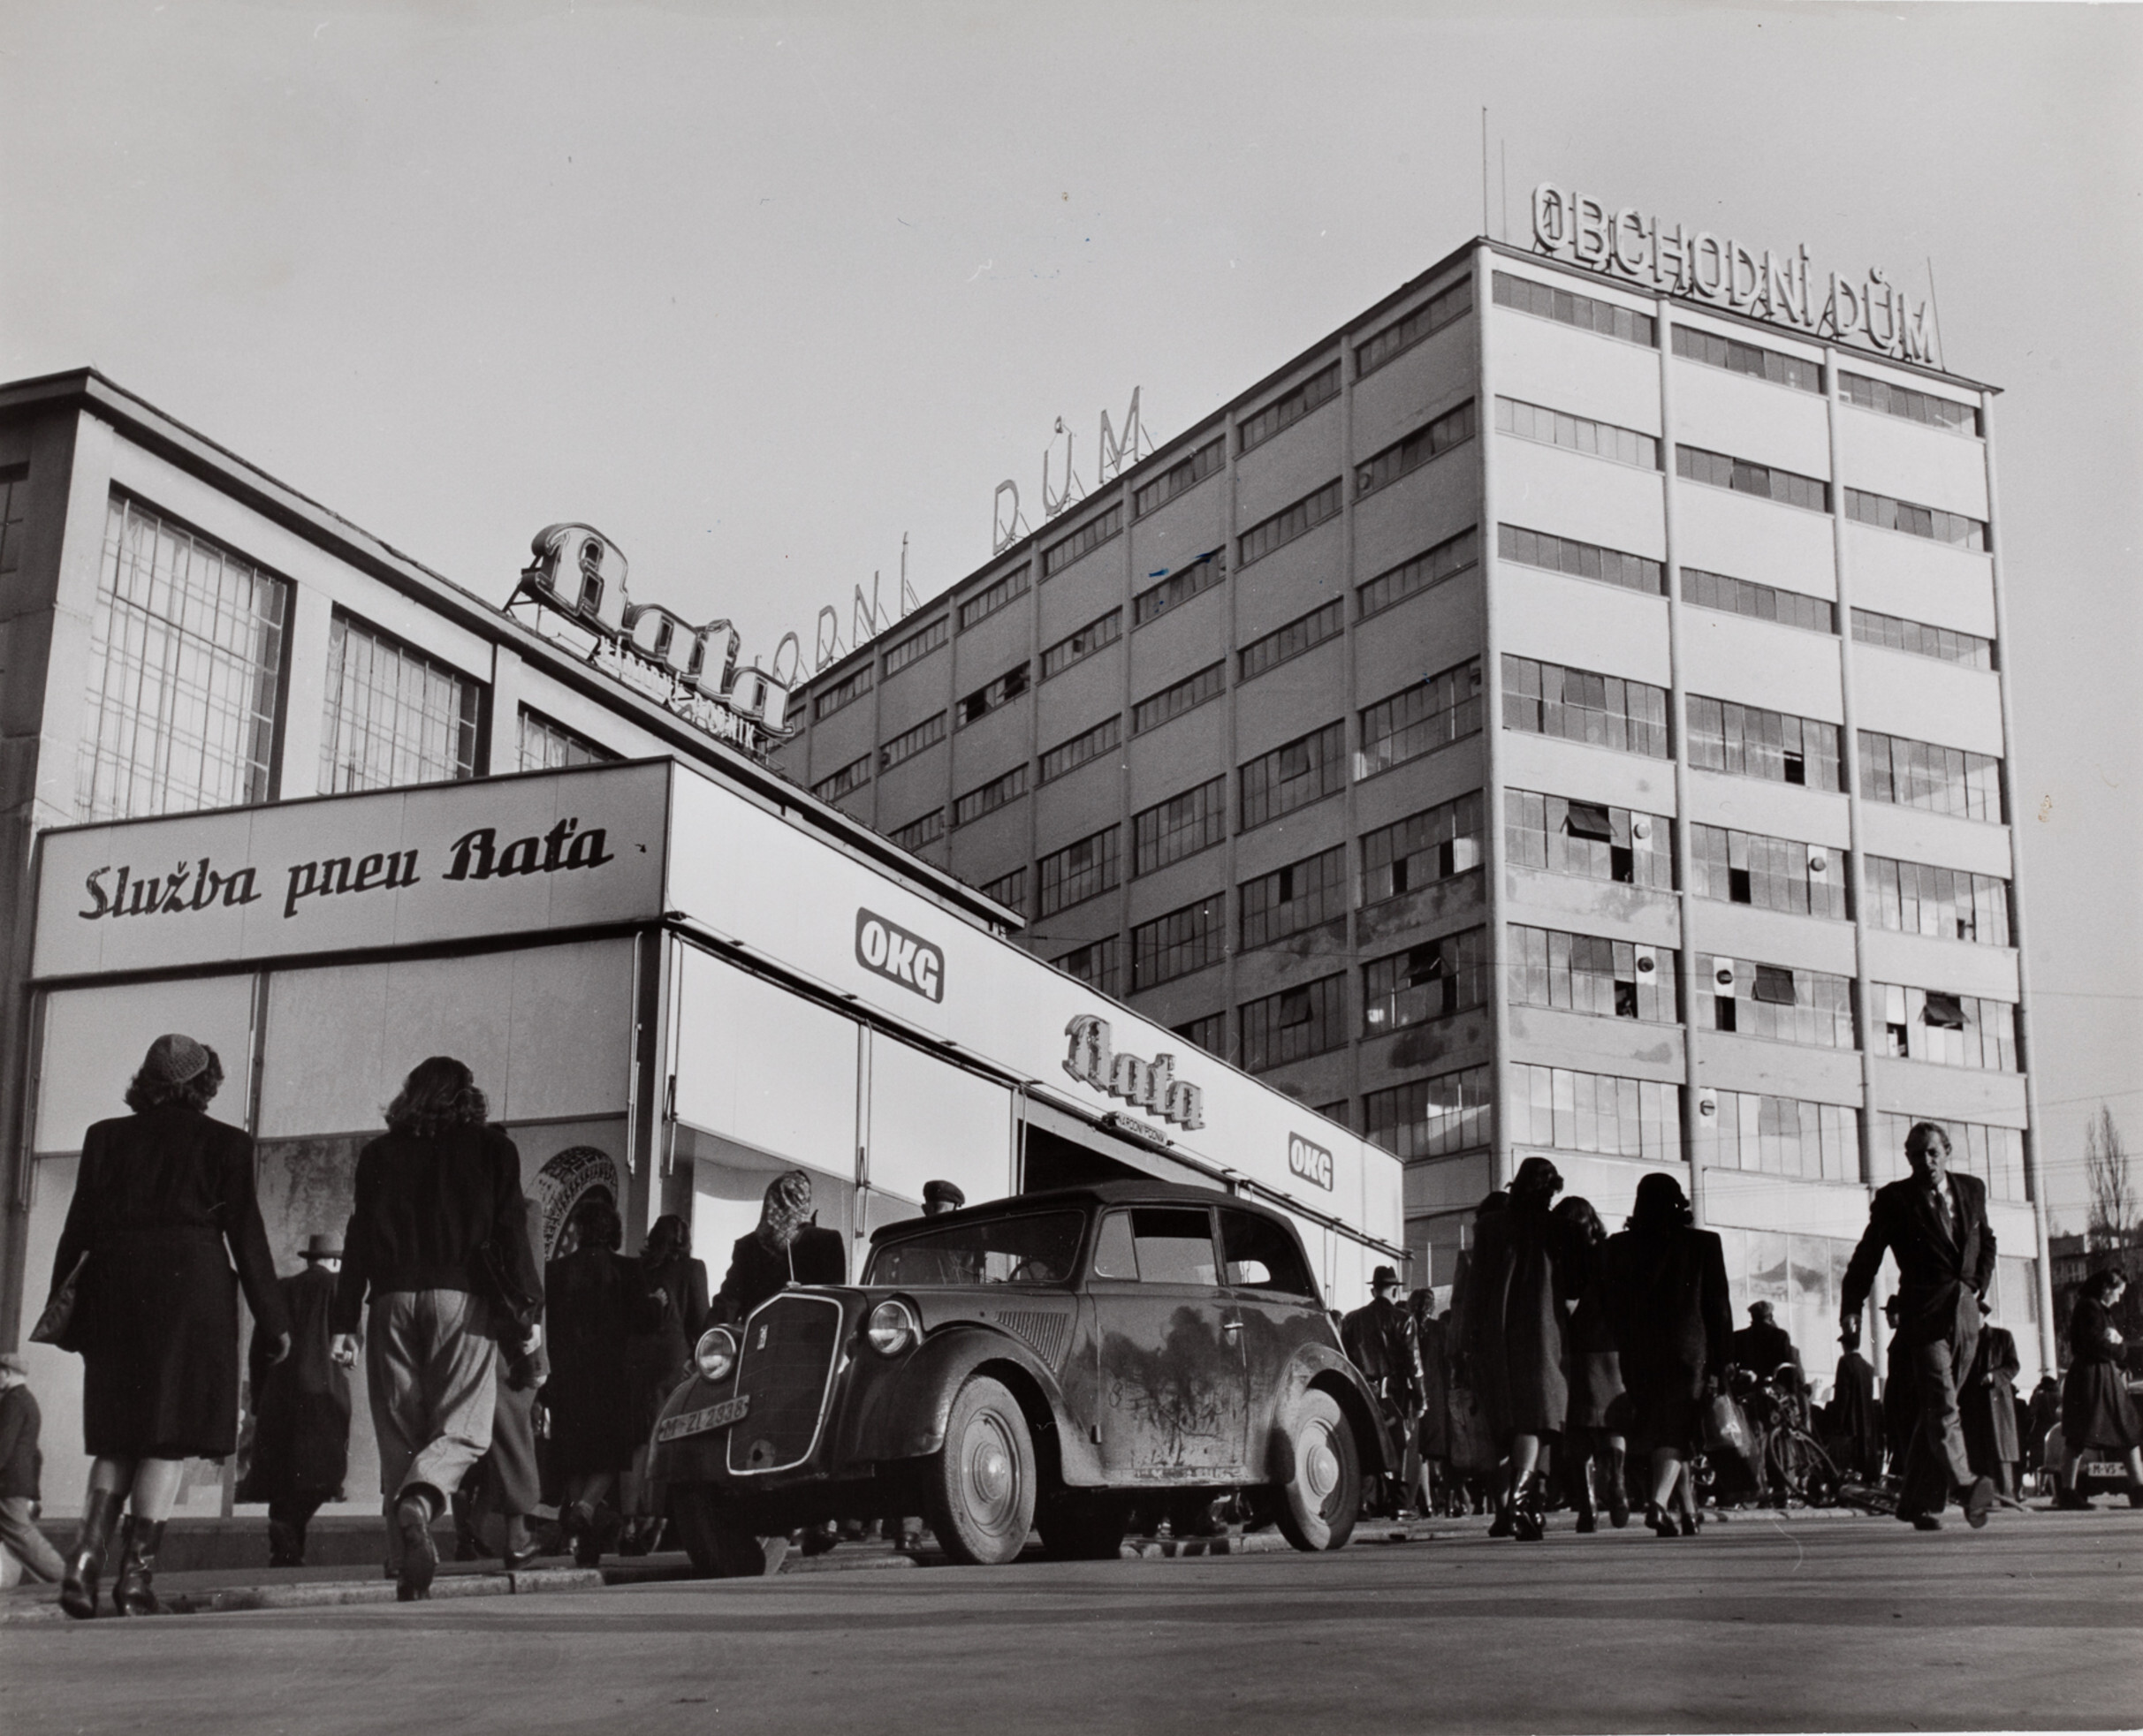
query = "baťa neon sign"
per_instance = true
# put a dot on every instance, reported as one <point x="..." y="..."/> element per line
<point x="1090" y="1058"/>
<point x="577" y="587"/>
<point x="1627" y="243"/>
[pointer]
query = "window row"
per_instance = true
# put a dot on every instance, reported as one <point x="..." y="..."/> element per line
<point x="1580" y="560"/>
<point x="1077" y="647"/>
<point x="1715" y="351"/>
<point x="1912" y="407"/>
<point x="1553" y="427"/>
<point x="1289" y="407"/>
<point x="1452" y="428"/>
<point x="1949" y="1030"/>
<point x="918" y="833"/>
<point x="992" y="597"/>
<point x="1283" y="644"/>
<point x="1946" y="644"/>
<point x="1180" y="478"/>
<point x="1447" y="304"/>
<point x="1810" y="1007"/>
<point x="912" y="741"/>
<point x="1432" y="1117"/>
<point x="1290" y="522"/>
<point x="998" y="694"/>
<point x="1932" y="522"/>
<point x="1608" y="979"/>
<point x="917" y="645"/>
<point x="1767" y="873"/>
<point x="1995" y="1155"/>
<point x="1179" y="586"/>
<point x="1919" y="898"/>
<point x="1719" y="470"/>
<point x="999" y="792"/>
<point x="1089" y="537"/>
<point x="851" y="688"/>
<point x="1419" y="719"/>
<point x="1583" y="705"/>
<point x="1786" y="1136"/>
<point x="1762" y="602"/>
<point x="1453" y="556"/>
<point x="1173" y="701"/>
<point x="1925" y="775"/>
<point x="1585" y="312"/>
<point x="1591" y="840"/>
<point x="1568" y="1111"/>
<point x="1749" y="742"/>
<point x="1103" y="737"/>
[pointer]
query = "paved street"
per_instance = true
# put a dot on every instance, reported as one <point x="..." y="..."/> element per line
<point x="1791" y="1625"/>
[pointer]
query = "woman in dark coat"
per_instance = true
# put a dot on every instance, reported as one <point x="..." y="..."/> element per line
<point x="1664" y="1282"/>
<point x="2096" y="1409"/>
<point x="595" y="1301"/>
<point x="1594" y="1432"/>
<point x="1988" y="1403"/>
<point x="164" y="1209"/>
<point x="661" y="1357"/>
<point x="1519" y="1282"/>
<point x="787" y="1247"/>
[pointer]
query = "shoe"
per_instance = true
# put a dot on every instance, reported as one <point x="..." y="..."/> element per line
<point x="1528" y="1522"/>
<point x="285" y="1545"/>
<point x="2135" y="1496"/>
<point x="1660" y="1520"/>
<point x="1504" y="1524"/>
<point x="134" y="1592"/>
<point x="578" y="1524"/>
<point x="1979" y="1501"/>
<point x="78" y="1587"/>
<point x="1587" y="1524"/>
<point x="1929" y="1522"/>
<point x="2068" y="1500"/>
<point x="1690" y="1522"/>
<point x="1614" y="1474"/>
<point x="420" y="1554"/>
<point x="520" y="1548"/>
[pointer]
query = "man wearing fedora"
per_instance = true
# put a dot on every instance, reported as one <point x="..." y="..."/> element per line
<point x="302" y="1410"/>
<point x="1381" y="1340"/>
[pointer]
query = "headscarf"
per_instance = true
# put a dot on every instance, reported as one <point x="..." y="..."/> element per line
<point x="1661" y="1203"/>
<point x="1537" y="1182"/>
<point x="787" y="1210"/>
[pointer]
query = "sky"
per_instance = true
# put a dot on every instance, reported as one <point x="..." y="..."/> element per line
<point x="761" y="293"/>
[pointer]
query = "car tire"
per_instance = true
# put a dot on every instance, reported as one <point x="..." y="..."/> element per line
<point x="1081" y="1531"/>
<point x="720" y="1547"/>
<point x="981" y="1492"/>
<point x="1320" y="1487"/>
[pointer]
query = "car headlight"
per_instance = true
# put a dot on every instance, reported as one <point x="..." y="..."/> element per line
<point x="716" y="1352"/>
<point x="891" y="1328"/>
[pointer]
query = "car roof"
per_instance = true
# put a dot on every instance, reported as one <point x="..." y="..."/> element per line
<point x="1137" y="1192"/>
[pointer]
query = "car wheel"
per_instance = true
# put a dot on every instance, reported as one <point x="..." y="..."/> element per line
<point x="718" y="1546"/>
<point x="1081" y="1531"/>
<point x="1320" y="1490"/>
<point x="981" y="1492"/>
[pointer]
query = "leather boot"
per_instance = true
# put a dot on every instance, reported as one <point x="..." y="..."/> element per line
<point x="134" y="1592"/>
<point x="78" y="1588"/>
<point x="285" y="1545"/>
<point x="1615" y="1472"/>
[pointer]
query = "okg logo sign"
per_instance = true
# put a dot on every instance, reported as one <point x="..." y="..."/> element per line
<point x="888" y="950"/>
<point x="1311" y="1163"/>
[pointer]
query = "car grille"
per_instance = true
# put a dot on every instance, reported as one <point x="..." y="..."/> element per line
<point x="785" y="1369"/>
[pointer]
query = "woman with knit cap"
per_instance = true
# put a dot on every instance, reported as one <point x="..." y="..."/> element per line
<point x="787" y="1247"/>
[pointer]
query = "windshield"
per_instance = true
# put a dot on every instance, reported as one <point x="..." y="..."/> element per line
<point x="1040" y="1248"/>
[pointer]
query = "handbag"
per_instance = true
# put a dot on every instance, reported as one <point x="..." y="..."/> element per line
<point x="56" y="1326"/>
<point x="1472" y="1447"/>
<point x="1726" y="1427"/>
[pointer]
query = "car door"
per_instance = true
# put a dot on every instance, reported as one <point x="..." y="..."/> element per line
<point x="1172" y="1396"/>
<point x="1275" y="1300"/>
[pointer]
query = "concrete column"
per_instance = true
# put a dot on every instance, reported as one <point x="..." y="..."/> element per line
<point x="509" y="682"/>
<point x="1492" y="721"/>
<point x="305" y="645"/>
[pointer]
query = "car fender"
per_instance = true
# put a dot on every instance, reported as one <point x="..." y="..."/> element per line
<point x="911" y="1423"/>
<point x="1320" y="1366"/>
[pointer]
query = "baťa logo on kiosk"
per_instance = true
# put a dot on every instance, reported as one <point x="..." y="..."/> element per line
<point x="886" y="949"/>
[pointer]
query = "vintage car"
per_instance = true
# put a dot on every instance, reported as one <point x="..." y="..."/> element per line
<point x="1050" y="1361"/>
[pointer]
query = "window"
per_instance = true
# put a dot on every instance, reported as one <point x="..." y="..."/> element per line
<point x="1603" y="440"/>
<point x="1103" y="737"/>
<point x="1787" y="1005"/>
<point x="1452" y="428"/>
<point x="851" y="688"/>
<point x="1284" y="527"/>
<point x="1294" y="1025"/>
<point x="1082" y="644"/>
<point x="1098" y="964"/>
<point x="1454" y="555"/>
<point x="1949" y="1030"/>
<point x="1786" y="1136"/>
<point x="850" y="778"/>
<point x="1089" y="537"/>
<point x="1748" y="742"/>
<point x="918" y="644"/>
<point x="1767" y="873"/>
<point x="1995" y="1155"/>
<point x="1913" y="406"/>
<point x="1589" y="840"/>
<point x="393" y="715"/>
<point x="1608" y="978"/>
<point x="1919" y="898"/>
<point x="1422" y="849"/>
<point x="1079" y="871"/>
<point x="1283" y="411"/>
<point x="910" y="742"/>
<point x="185" y="653"/>
<point x="14" y="496"/>
<point x="1262" y="1255"/>
<point x="987" y="601"/>
<point x="1292" y="776"/>
<point x="1009" y="889"/>
<point x="1038" y="1249"/>
<point x="1929" y="521"/>
<point x="1583" y="705"/>
<point x="1762" y="602"/>
<point x="1717" y="470"/>
<point x="1447" y="304"/>
<point x="1157" y="1244"/>
<point x="1714" y="351"/>
<point x="1000" y="694"/>
<point x="1922" y="641"/>
<point x="1283" y="643"/>
<point x="916" y="833"/>
<point x="1186" y="695"/>
<point x="550" y="747"/>
<point x="1179" y="477"/>
<point x="1429" y="715"/>
<point x="1432" y="1118"/>
<point x="1431" y="980"/>
<point x="1185" y="582"/>
<point x="1209" y="1034"/>
<point x="1921" y="774"/>
<point x="1005" y="788"/>
<point x="1588" y="1111"/>
<point x="1290" y="900"/>
<point x="1178" y="943"/>
<point x="1582" y="311"/>
<point x="1580" y="560"/>
<point x="1179" y="827"/>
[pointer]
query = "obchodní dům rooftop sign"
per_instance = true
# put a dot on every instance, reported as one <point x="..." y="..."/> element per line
<point x="1625" y="243"/>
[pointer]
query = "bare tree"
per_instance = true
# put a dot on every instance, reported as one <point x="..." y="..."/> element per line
<point x="2113" y="1194"/>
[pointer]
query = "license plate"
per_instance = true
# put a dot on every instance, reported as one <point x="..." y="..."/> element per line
<point x="699" y="1422"/>
<point x="2102" y="1467"/>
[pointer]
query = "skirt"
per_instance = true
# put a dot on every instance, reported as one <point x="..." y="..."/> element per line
<point x="1598" y="1399"/>
<point x="1666" y="1405"/>
<point x="2097" y="1409"/>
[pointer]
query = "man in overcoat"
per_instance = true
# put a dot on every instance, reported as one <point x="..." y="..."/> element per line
<point x="1934" y="1224"/>
<point x="1381" y="1342"/>
<point x="301" y="1409"/>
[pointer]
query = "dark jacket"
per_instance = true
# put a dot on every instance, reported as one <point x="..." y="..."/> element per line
<point x="1942" y="1271"/>
<point x="1988" y="1402"/>
<point x="757" y="1271"/>
<point x="1380" y="1341"/>
<point x="301" y="1405"/>
<point x="164" y="1207"/>
<point x="1524" y="1272"/>
<point x="662" y="1355"/>
<point x="1667" y="1301"/>
<point x="20" y="1462"/>
<point x="1855" y="1419"/>
<point x="596" y="1299"/>
<point x="425" y="1211"/>
<point x="1760" y="1349"/>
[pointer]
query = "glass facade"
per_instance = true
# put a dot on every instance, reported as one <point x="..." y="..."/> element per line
<point x="546" y="746"/>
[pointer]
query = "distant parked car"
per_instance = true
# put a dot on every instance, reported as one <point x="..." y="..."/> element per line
<point x="1049" y="1361"/>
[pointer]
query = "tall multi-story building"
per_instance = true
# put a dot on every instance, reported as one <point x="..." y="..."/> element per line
<point x="1553" y="713"/>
